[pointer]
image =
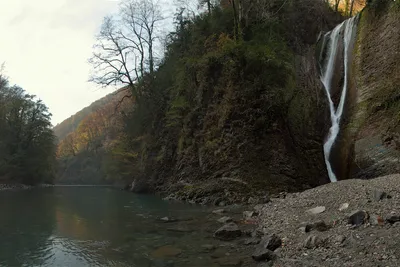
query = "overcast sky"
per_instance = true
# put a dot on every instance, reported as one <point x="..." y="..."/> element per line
<point x="45" y="45"/>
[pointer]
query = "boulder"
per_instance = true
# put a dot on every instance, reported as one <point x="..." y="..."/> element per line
<point x="229" y="231"/>
<point x="271" y="242"/>
<point x="357" y="217"/>
<point x="263" y="254"/>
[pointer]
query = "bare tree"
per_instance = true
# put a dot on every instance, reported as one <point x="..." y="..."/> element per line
<point x="113" y="59"/>
<point x="337" y="3"/>
<point x="141" y="18"/>
<point x="125" y="47"/>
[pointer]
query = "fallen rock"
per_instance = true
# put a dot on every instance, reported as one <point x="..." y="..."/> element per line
<point x="263" y="254"/>
<point x="316" y="210"/>
<point x="166" y="251"/>
<point x="218" y="211"/>
<point x="252" y="241"/>
<point x="358" y="217"/>
<point x="271" y="242"/>
<point x="229" y="231"/>
<point x="249" y="214"/>
<point x="344" y="206"/>
<point x="225" y="219"/>
<point x="376" y="220"/>
<point x="393" y="219"/>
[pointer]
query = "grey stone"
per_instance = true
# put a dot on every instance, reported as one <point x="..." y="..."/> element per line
<point x="312" y="241"/>
<point x="376" y="220"/>
<point x="271" y="242"/>
<point x="252" y="200"/>
<point x="316" y="210"/>
<point x="263" y="254"/>
<point x="379" y="195"/>
<point x="393" y="219"/>
<point x="229" y="231"/>
<point x="358" y="217"/>
<point x="339" y="239"/>
<point x="225" y="219"/>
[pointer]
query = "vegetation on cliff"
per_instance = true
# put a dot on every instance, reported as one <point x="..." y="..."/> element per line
<point x="234" y="105"/>
<point x="27" y="143"/>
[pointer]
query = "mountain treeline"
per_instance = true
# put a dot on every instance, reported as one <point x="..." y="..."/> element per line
<point x="27" y="142"/>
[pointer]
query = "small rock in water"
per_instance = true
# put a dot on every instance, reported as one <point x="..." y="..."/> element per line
<point x="271" y="242"/>
<point x="225" y="219"/>
<point x="252" y="241"/>
<point x="376" y="220"/>
<point x="218" y="211"/>
<point x="358" y="217"/>
<point x="249" y="214"/>
<point x="344" y="206"/>
<point x="263" y="254"/>
<point x="393" y="219"/>
<point x="166" y="251"/>
<point x="168" y="219"/>
<point x="229" y="231"/>
<point x="208" y="247"/>
<point x="316" y="210"/>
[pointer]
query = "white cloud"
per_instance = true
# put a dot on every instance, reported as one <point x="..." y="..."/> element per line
<point x="45" y="45"/>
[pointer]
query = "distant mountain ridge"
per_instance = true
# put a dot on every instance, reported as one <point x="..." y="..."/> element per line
<point x="69" y="125"/>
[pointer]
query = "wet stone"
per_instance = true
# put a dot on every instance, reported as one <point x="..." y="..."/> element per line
<point x="271" y="242"/>
<point x="229" y="231"/>
<point x="263" y="254"/>
<point x="252" y="241"/>
<point x="225" y="219"/>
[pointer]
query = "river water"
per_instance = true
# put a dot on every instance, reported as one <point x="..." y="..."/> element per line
<point x="99" y="226"/>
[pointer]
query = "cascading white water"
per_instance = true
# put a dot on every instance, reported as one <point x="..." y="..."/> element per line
<point x="332" y="39"/>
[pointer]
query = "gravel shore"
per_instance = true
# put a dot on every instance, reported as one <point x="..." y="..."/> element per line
<point x="360" y="219"/>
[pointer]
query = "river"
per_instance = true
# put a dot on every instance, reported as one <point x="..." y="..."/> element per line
<point x="100" y="226"/>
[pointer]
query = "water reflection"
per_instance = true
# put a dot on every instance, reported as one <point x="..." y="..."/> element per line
<point x="82" y="226"/>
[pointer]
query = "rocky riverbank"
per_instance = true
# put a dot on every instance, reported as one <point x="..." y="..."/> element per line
<point x="349" y="223"/>
<point x="4" y="187"/>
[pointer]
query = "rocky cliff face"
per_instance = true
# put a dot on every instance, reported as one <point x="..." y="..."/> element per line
<point x="375" y="123"/>
<point x="235" y="139"/>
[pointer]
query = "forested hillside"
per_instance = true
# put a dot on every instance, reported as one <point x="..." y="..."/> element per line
<point x="88" y="139"/>
<point x="234" y="106"/>
<point x="27" y="142"/>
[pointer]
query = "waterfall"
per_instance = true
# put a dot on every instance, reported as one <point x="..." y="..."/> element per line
<point x="343" y="34"/>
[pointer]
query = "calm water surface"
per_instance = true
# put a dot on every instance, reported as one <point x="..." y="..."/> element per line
<point x="98" y="226"/>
